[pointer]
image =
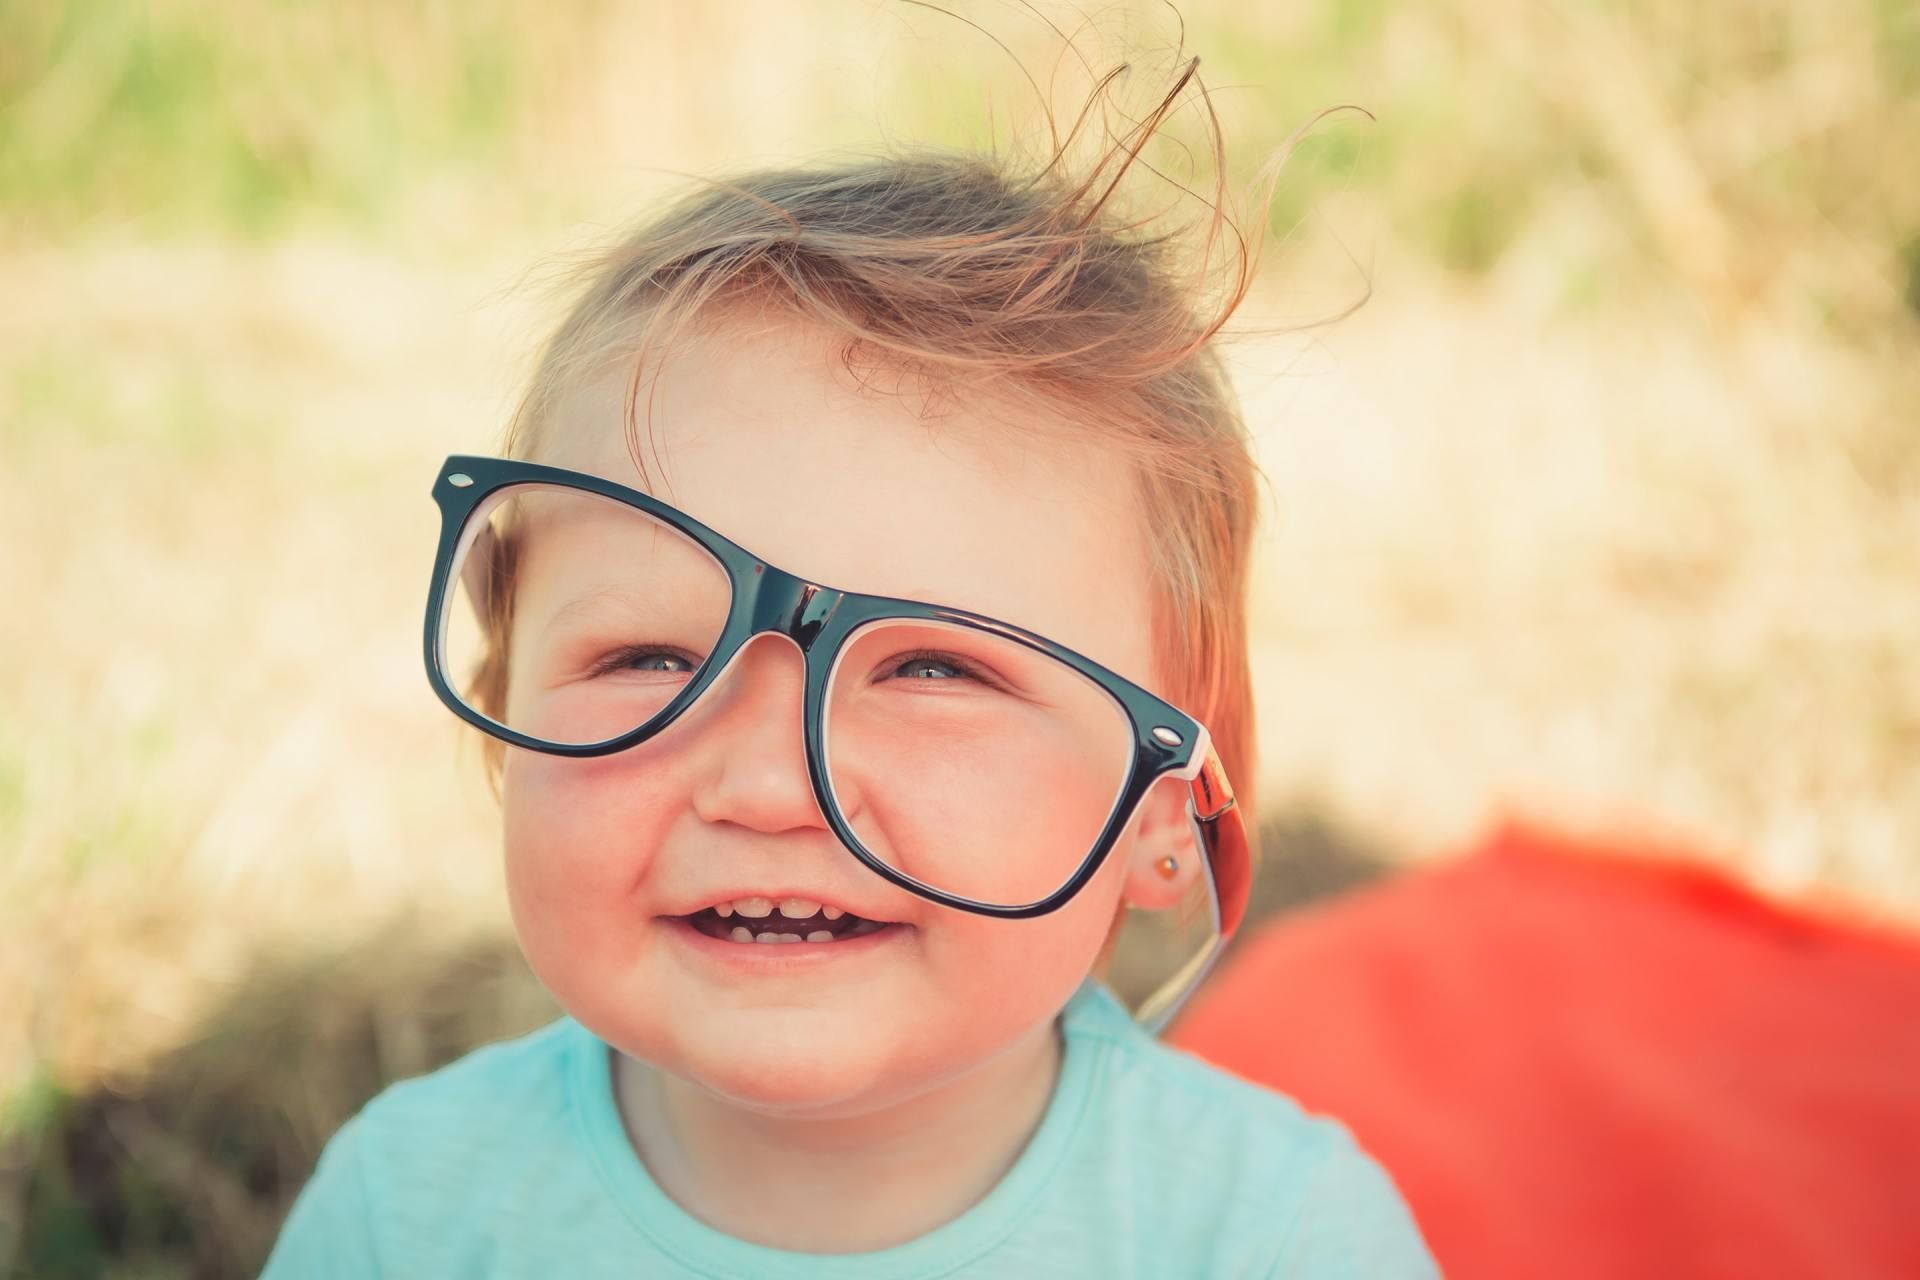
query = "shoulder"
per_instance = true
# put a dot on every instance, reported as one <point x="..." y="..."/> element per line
<point x="504" y="1109"/>
<point x="1170" y="1088"/>
<point x="512" y="1083"/>
<point x="1286" y="1186"/>
<point x="438" y="1148"/>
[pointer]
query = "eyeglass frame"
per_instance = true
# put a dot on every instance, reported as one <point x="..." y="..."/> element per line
<point x="820" y="619"/>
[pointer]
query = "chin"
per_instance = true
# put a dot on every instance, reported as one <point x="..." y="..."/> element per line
<point x="791" y="1069"/>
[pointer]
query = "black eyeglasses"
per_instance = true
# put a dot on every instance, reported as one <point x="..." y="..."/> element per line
<point x="967" y="760"/>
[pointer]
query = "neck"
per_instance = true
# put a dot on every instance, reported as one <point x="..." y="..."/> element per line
<point x="848" y="1184"/>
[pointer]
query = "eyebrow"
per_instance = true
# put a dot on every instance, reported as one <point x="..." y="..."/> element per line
<point x="585" y="604"/>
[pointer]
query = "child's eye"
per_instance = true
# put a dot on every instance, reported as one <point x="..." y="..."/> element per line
<point x="935" y="667"/>
<point x="665" y="661"/>
<point x="928" y="669"/>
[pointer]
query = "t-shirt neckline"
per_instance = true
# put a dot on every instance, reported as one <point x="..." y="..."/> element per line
<point x="704" y="1249"/>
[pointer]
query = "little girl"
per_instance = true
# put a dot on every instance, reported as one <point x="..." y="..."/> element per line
<point x="831" y="615"/>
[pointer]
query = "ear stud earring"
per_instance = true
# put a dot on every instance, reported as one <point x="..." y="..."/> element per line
<point x="1168" y="867"/>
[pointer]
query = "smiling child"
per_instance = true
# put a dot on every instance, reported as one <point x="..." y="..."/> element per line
<point x="856" y="620"/>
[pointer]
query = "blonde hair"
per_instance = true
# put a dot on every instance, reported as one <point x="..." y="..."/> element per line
<point x="966" y="271"/>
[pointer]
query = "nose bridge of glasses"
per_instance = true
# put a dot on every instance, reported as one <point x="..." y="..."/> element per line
<point x="790" y="606"/>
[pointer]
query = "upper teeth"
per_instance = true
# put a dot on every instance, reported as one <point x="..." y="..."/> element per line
<point x="760" y="908"/>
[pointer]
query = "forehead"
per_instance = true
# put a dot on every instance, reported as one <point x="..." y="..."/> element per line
<point x="764" y="435"/>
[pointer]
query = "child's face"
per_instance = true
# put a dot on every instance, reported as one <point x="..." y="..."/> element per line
<point x="765" y="437"/>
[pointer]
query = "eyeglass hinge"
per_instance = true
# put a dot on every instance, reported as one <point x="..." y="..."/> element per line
<point x="1212" y="797"/>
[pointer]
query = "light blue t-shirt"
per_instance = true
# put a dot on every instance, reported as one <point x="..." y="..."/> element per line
<point x="513" y="1162"/>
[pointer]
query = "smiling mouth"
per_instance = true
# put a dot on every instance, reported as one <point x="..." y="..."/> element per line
<point x="762" y="920"/>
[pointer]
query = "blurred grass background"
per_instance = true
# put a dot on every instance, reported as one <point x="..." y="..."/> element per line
<point x="1606" y="506"/>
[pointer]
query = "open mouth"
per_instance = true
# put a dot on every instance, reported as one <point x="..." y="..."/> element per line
<point x="767" y="920"/>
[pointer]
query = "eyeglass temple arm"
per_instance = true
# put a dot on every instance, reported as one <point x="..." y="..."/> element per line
<point x="1221" y="829"/>
<point x="1220" y="832"/>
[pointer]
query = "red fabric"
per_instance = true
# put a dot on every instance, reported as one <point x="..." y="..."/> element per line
<point x="1578" y="1065"/>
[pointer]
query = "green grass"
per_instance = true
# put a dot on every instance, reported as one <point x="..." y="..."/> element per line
<point x="253" y="118"/>
<point x="244" y="118"/>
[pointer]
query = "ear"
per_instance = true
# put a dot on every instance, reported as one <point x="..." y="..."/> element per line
<point x="1163" y="830"/>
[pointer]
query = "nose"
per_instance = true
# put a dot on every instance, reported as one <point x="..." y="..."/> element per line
<point x="752" y="766"/>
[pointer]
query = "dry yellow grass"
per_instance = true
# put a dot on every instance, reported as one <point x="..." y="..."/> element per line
<point x="1612" y="569"/>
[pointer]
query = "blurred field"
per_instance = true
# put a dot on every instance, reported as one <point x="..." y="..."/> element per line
<point x="1606" y="505"/>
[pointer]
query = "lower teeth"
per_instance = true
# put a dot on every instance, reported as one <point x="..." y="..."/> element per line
<point x="740" y="933"/>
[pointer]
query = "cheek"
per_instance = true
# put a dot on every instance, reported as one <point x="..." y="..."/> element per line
<point x="1001" y="817"/>
<point x="1018" y="970"/>
<point x="578" y="835"/>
